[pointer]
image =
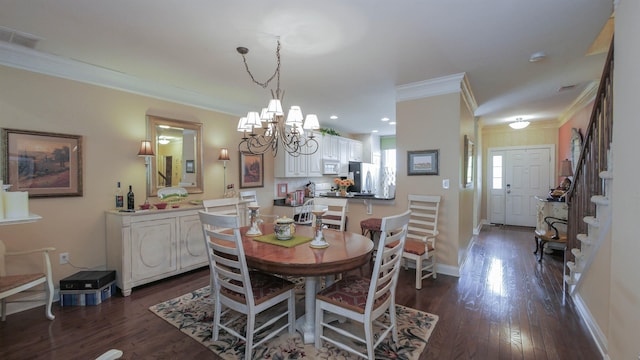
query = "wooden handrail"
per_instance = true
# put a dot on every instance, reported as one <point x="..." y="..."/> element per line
<point x="594" y="158"/>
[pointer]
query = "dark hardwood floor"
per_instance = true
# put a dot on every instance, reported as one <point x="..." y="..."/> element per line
<point x="504" y="306"/>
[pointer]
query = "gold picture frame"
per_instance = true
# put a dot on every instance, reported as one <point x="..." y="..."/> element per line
<point x="251" y="170"/>
<point x="42" y="163"/>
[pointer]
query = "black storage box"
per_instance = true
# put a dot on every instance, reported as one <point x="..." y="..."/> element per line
<point x="86" y="280"/>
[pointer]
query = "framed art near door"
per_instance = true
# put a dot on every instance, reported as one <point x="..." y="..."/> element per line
<point x="41" y="163"/>
<point x="251" y="170"/>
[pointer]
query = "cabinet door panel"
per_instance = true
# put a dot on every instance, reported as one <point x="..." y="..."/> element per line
<point x="153" y="248"/>
<point x="192" y="246"/>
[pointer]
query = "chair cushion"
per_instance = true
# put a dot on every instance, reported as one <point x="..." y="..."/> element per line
<point x="350" y="292"/>
<point x="371" y="224"/>
<point x="264" y="287"/>
<point x="13" y="281"/>
<point x="416" y="247"/>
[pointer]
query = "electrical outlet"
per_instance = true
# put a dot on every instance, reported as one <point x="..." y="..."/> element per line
<point x="64" y="258"/>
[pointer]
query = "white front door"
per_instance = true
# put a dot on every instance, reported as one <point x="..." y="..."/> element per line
<point x="517" y="176"/>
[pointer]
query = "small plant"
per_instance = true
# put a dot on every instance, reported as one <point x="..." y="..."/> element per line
<point x="328" y="131"/>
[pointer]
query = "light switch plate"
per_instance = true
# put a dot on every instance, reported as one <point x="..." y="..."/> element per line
<point x="445" y="183"/>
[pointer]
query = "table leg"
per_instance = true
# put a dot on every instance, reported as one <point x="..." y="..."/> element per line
<point x="306" y="323"/>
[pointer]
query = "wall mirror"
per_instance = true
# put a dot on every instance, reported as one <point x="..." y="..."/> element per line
<point x="467" y="178"/>
<point x="178" y="161"/>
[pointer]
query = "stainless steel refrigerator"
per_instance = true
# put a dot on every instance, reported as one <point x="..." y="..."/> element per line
<point x="365" y="176"/>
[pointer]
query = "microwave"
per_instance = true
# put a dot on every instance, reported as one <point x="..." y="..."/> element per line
<point x="330" y="167"/>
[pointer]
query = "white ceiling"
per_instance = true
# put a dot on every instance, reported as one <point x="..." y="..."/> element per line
<point x="338" y="57"/>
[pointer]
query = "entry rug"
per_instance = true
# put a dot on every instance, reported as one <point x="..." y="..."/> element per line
<point x="192" y="313"/>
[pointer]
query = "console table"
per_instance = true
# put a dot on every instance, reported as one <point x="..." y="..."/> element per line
<point x="150" y="245"/>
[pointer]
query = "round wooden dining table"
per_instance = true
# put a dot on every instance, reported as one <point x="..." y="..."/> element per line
<point x="346" y="251"/>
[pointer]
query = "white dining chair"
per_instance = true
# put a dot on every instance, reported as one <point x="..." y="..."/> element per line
<point x="305" y="215"/>
<point x="240" y="292"/>
<point x="249" y="195"/>
<point x="336" y="216"/>
<point x="364" y="300"/>
<point x="12" y="284"/>
<point x="421" y="237"/>
<point x="224" y="206"/>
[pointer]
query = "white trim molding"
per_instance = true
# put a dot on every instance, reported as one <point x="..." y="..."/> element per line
<point x="23" y="58"/>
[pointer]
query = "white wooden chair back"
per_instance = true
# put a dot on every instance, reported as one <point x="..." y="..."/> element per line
<point x="226" y="254"/>
<point x="249" y="195"/>
<point x="336" y="216"/>
<point x="423" y="225"/>
<point x="380" y="296"/>
<point x="386" y="267"/>
<point x="305" y="216"/>
<point x="238" y="290"/>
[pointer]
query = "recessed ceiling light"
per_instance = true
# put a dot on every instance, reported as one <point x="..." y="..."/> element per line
<point x="392" y="123"/>
<point x="333" y="117"/>
<point x="374" y="131"/>
<point x="385" y="119"/>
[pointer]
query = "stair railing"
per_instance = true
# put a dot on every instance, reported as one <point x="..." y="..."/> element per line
<point x="593" y="158"/>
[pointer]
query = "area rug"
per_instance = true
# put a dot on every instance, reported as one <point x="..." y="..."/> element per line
<point x="192" y="313"/>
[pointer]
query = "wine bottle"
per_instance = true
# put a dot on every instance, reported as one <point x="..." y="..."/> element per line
<point x="130" y="199"/>
<point x="119" y="198"/>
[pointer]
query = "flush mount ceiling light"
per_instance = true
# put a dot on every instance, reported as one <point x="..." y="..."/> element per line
<point x="519" y="124"/>
<point x="268" y="129"/>
<point x="537" y="56"/>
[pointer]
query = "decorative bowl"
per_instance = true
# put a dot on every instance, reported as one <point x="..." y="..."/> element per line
<point x="145" y="206"/>
<point x="173" y="195"/>
<point x="161" y="206"/>
<point x="284" y="228"/>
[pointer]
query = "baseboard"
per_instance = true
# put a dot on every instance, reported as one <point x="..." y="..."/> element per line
<point x="597" y="334"/>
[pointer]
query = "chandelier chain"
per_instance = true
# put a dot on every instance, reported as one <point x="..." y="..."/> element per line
<point x="276" y="73"/>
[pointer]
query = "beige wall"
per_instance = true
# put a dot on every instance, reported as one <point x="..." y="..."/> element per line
<point x="432" y="123"/>
<point x="112" y="124"/>
<point x="624" y="286"/>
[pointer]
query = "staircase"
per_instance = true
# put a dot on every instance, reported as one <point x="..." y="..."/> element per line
<point x="588" y="198"/>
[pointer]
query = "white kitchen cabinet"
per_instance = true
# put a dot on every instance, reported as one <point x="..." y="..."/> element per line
<point x="343" y="146"/>
<point x="314" y="166"/>
<point x="355" y="150"/>
<point x="146" y="246"/>
<point x="287" y="165"/>
<point x="330" y="147"/>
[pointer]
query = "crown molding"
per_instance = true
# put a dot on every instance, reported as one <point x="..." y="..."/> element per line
<point x="585" y="98"/>
<point x="450" y="84"/>
<point x="39" y="62"/>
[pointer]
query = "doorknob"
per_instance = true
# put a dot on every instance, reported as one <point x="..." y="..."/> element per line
<point x="508" y="188"/>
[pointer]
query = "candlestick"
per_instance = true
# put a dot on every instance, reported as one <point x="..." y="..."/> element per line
<point x="254" y="230"/>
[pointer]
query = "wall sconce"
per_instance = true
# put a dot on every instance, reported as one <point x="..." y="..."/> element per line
<point x="224" y="157"/>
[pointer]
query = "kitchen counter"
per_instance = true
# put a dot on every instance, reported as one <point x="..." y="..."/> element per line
<point x="362" y="196"/>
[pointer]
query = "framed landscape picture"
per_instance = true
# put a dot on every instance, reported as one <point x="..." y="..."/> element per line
<point x="251" y="170"/>
<point x="422" y="162"/>
<point x="43" y="164"/>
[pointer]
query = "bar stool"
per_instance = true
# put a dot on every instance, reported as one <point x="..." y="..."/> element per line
<point x="370" y="226"/>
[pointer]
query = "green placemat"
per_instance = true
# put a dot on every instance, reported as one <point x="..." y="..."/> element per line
<point x="294" y="241"/>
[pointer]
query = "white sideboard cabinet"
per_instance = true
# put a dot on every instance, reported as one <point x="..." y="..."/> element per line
<point x="146" y="246"/>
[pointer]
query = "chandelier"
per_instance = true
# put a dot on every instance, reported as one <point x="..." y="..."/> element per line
<point x="268" y="130"/>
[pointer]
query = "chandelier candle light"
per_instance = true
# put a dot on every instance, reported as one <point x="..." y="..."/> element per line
<point x="268" y="129"/>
